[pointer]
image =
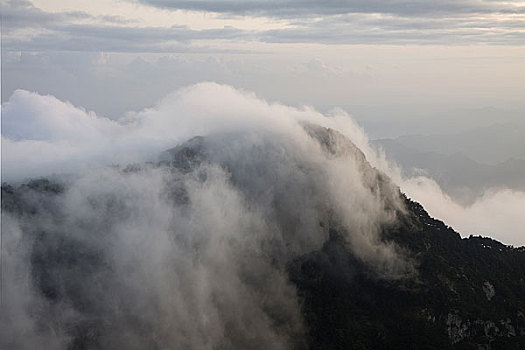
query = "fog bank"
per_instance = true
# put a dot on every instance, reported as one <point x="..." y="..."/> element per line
<point x="190" y="254"/>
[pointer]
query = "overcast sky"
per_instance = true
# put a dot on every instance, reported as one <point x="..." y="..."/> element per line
<point x="399" y="63"/>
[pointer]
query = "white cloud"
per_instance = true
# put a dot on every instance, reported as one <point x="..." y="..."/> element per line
<point x="497" y="214"/>
<point x="189" y="258"/>
<point x="42" y="132"/>
<point x="42" y="135"/>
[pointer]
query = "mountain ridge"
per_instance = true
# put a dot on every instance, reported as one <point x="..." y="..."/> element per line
<point x="444" y="292"/>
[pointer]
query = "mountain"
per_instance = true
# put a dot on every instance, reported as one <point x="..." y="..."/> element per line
<point x="460" y="176"/>
<point x="249" y="240"/>
<point x="451" y="304"/>
<point x="492" y="144"/>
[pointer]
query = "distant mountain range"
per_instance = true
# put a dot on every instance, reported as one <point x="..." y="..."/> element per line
<point x="461" y="177"/>
<point x="493" y="144"/>
<point x="396" y="279"/>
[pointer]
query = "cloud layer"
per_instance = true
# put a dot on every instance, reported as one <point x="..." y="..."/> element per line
<point x="41" y="133"/>
<point x="497" y="214"/>
<point x="42" y="136"/>
<point x="297" y="8"/>
<point x="29" y="28"/>
<point x="191" y="257"/>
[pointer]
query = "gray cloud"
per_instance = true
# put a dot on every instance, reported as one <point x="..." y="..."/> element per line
<point x="22" y="14"/>
<point x="96" y="38"/>
<point x="400" y="37"/>
<point x="360" y="22"/>
<point x="363" y="29"/>
<point x="61" y="33"/>
<point x="298" y="8"/>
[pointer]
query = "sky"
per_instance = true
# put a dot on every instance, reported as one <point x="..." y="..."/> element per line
<point x="397" y="67"/>
<point x="380" y="60"/>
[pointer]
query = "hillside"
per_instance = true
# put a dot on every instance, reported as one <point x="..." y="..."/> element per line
<point x="247" y="241"/>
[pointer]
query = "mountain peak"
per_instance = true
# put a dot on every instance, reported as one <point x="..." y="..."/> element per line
<point x="250" y="240"/>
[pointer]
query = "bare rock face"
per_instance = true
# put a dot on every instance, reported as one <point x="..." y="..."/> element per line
<point x="489" y="290"/>
<point x="457" y="330"/>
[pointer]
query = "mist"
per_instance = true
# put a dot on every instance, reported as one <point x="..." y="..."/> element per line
<point x="132" y="246"/>
<point x="498" y="213"/>
<point x="42" y="135"/>
<point x="140" y="248"/>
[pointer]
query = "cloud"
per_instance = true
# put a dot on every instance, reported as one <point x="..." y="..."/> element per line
<point x="67" y="139"/>
<point x="43" y="135"/>
<point x="297" y="8"/>
<point x="88" y="79"/>
<point x="22" y="14"/>
<point x="151" y="273"/>
<point x="195" y="257"/>
<point x="497" y="214"/>
<point x="388" y="29"/>
<point x="152" y="256"/>
<point x="41" y="132"/>
<point x="134" y="82"/>
<point x="28" y="28"/>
